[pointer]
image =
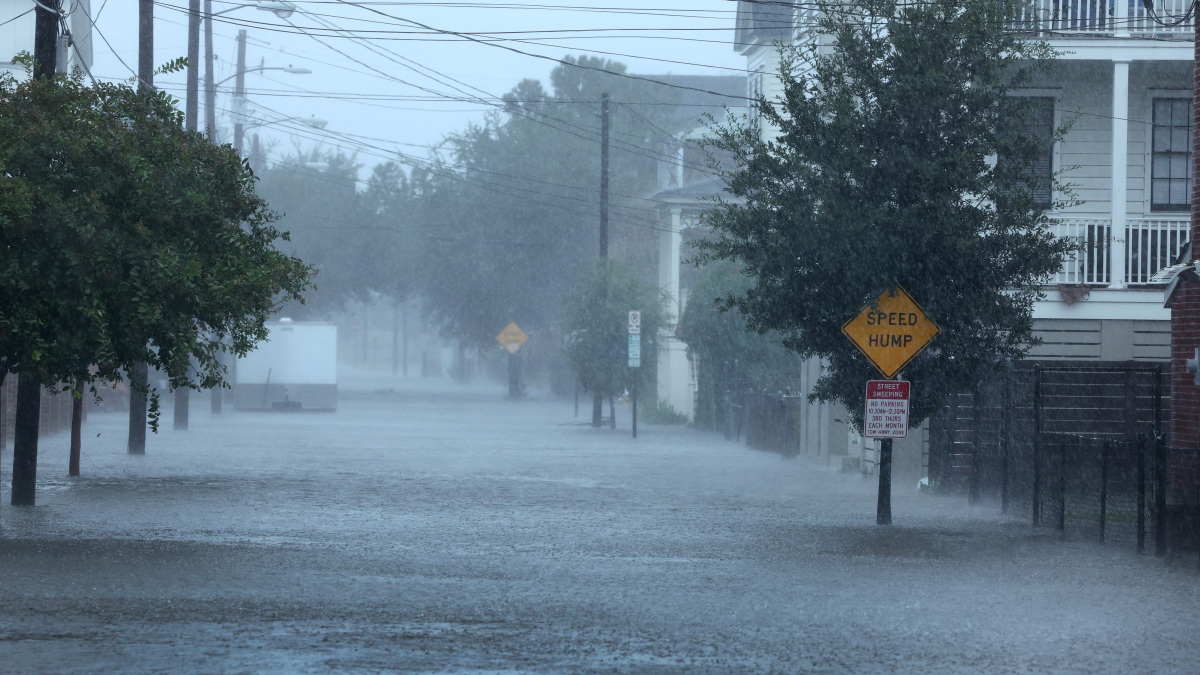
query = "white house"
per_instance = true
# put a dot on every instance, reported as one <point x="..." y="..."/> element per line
<point x="16" y="32"/>
<point x="1125" y="81"/>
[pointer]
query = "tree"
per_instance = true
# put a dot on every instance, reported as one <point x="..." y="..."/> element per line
<point x="125" y="239"/>
<point x="510" y="208"/>
<point x="596" y="322"/>
<point x="362" y="242"/>
<point x="731" y="358"/>
<point x="882" y="175"/>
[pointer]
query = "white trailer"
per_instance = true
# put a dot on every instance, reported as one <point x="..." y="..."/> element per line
<point x="295" y="368"/>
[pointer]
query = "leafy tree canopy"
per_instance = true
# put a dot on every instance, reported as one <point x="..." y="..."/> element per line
<point x="127" y="239"/>
<point x="511" y="208"/>
<point x="877" y="170"/>
<point x="730" y="356"/>
<point x="596" y="321"/>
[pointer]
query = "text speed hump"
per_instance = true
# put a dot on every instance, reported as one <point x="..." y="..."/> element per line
<point x="892" y="333"/>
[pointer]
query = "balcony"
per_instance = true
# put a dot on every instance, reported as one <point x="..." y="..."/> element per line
<point x="1102" y="19"/>
<point x="1148" y="246"/>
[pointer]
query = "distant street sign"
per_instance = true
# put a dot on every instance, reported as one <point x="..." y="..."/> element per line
<point x="892" y="334"/>
<point x="512" y="337"/>
<point x="635" y="322"/>
<point x="635" y="351"/>
<point x="887" y="409"/>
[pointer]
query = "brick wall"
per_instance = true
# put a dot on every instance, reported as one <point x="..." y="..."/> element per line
<point x="1184" y="430"/>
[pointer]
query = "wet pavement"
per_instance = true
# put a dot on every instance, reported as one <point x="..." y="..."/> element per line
<point x="430" y="527"/>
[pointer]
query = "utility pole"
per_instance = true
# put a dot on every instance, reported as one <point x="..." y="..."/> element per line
<point x="29" y="384"/>
<point x="210" y="94"/>
<point x="597" y="397"/>
<point x="139" y="377"/>
<point x="45" y="39"/>
<point x="239" y="94"/>
<point x="604" y="124"/>
<point x="191" y="123"/>
<point x="145" y="44"/>
<point x="192" y="111"/>
<point x="210" y="121"/>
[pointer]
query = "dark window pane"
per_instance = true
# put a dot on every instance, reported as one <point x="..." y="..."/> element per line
<point x="1171" y="155"/>
<point x="1038" y="172"/>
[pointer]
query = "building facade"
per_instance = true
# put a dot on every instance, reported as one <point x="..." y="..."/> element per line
<point x="1124" y="83"/>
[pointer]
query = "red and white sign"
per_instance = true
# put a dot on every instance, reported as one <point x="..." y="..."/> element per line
<point x="887" y="409"/>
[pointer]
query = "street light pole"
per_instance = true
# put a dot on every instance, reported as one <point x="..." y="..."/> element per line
<point x="239" y="93"/>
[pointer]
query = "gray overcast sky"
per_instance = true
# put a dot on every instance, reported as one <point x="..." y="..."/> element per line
<point x="364" y="97"/>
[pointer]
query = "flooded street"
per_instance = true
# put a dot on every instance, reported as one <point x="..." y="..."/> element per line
<point x="461" y="532"/>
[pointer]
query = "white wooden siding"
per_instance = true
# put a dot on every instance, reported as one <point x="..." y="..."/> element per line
<point x="1066" y="339"/>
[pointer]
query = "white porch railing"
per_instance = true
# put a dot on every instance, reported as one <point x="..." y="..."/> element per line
<point x="1104" y="18"/>
<point x="1088" y="263"/>
<point x="1150" y="245"/>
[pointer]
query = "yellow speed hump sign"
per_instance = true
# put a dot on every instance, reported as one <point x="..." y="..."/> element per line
<point x="512" y="337"/>
<point x="891" y="334"/>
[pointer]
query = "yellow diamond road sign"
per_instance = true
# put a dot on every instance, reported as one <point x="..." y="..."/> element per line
<point x="891" y="334"/>
<point x="512" y="337"/>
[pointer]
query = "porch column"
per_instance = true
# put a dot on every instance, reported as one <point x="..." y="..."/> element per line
<point x="668" y="260"/>
<point x="1120" y="169"/>
<point x="672" y="359"/>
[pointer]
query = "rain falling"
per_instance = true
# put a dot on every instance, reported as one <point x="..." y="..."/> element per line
<point x="724" y="336"/>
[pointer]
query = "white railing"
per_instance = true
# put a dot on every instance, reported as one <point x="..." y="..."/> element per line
<point x="1088" y="263"/>
<point x="1106" y="18"/>
<point x="1150" y="245"/>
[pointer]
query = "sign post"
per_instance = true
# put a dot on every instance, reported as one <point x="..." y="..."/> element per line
<point x="890" y="332"/>
<point x="635" y="357"/>
<point x="886" y="417"/>
<point x="511" y="338"/>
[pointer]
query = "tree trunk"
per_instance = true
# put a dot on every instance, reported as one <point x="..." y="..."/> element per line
<point x="137" y="409"/>
<point x="597" y="410"/>
<point x="25" y="439"/>
<point x="183" y="399"/>
<point x="218" y="394"/>
<point x="76" y="428"/>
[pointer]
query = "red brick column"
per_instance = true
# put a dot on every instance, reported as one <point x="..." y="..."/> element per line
<point x="1184" y="430"/>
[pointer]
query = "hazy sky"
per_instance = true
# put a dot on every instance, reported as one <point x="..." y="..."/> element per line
<point x="372" y="87"/>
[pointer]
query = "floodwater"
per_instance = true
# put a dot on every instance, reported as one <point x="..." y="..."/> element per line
<point x="432" y="527"/>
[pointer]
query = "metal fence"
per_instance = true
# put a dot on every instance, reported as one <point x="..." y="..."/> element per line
<point x="1079" y="447"/>
<point x="771" y="421"/>
<point x="1095" y="488"/>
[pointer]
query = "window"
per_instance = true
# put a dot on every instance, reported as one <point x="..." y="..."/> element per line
<point x="1171" y="156"/>
<point x="754" y="87"/>
<point x="1038" y="175"/>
